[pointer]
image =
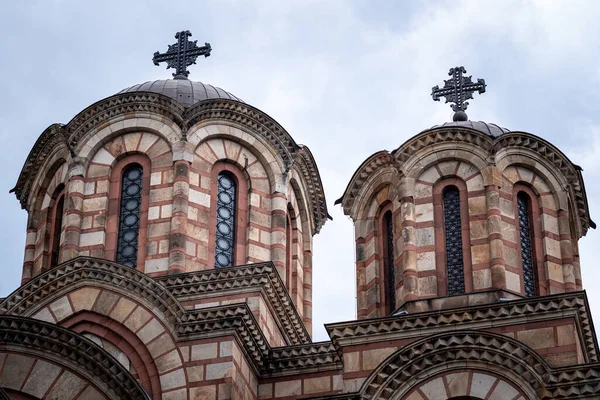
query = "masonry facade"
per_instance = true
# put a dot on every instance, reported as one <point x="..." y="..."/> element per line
<point x="169" y="256"/>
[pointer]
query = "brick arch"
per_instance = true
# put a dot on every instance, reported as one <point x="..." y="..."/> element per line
<point x="380" y="187"/>
<point x="123" y="338"/>
<point x="466" y="384"/>
<point x="89" y="144"/>
<point x="444" y="155"/>
<point x="48" y="361"/>
<point x="255" y="144"/>
<point x="551" y="228"/>
<point x="458" y="351"/>
<point x="37" y="248"/>
<point x="124" y="319"/>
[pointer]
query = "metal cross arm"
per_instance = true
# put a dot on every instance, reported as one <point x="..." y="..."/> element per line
<point x="457" y="90"/>
<point x="182" y="54"/>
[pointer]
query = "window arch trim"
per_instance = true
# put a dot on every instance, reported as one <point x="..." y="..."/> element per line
<point x="241" y="215"/>
<point x="440" y="235"/>
<point x="537" y="246"/>
<point x="114" y="207"/>
<point x="387" y="306"/>
<point x="54" y="249"/>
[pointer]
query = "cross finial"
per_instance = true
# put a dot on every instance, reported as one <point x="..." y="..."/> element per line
<point x="182" y="54"/>
<point x="458" y="89"/>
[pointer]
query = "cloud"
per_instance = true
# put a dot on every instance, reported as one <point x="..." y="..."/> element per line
<point x="345" y="78"/>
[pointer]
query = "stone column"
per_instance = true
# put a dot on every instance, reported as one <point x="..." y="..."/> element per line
<point x="278" y="235"/>
<point x="307" y="291"/>
<point x="182" y="157"/>
<point x="566" y="251"/>
<point x="69" y="248"/>
<point x="409" y="239"/>
<point x="492" y="181"/>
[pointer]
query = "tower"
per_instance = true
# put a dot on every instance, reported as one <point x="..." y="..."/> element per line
<point x="169" y="256"/>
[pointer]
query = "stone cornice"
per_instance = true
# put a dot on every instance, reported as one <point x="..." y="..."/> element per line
<point x="234" y="319"/>
<point x="69" y="349"/>
<point x="261" y="276"/>
<point x="363" y="173"/>
<point x="313" y="357"/>
<point x="572" y="304"/>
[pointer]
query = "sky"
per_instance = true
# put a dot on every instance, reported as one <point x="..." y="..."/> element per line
<point x="345" y="78"/>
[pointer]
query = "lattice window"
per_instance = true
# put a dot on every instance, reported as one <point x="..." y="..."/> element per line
<point x="129" y="217"/>
<point x="59" y="206"/>
<point x="524" y="215"/>
<point x="454" y="248"/>
<point x="390" y="287"/>
<point x="225" y="232"/>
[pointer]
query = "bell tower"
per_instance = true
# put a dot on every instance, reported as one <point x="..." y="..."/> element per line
<point x="465" y="213"/>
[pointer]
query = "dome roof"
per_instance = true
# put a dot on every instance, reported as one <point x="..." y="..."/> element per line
<point x="492" y="130"/>
<point x="184" y="91"/>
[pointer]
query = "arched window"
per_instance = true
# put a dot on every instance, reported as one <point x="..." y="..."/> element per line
<point x="289" y="251"/>
<point x="129" y="215"/>
<point x="226" y="216"/>
<point x="56" y="226"/>
<point x="525" y="229"/>
<point x="388" y="261"/>
<point x="454" y="242"/>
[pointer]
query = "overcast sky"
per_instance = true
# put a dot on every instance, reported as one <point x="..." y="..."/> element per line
<point x="345" y="78"/>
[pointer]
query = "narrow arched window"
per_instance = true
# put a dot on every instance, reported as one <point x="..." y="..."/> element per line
<point x="226" y="210"/>
<point x="454" y="243"/>
<point x="388" y="261"/>
<point x="56" y="228"/>
<point x="524" y="216"/>
<point x="129" y="215"/>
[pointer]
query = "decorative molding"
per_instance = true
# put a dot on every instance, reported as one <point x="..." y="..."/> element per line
<point x="394" y="375"/>
<point x="262" y="276"/>
<point x="118" y="106"/>
<point x="49" y="140"/>
<point x="571" y="304"/>
<point x="71" y="350"/>
<point x="374" y="163"/>
<point x="491" y="145"/>
<point x="233" y="319"/>
<point x="313" y="357"/>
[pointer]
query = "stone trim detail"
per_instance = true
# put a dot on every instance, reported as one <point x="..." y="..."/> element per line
<point x="571" y="304"/>
<point x="71" y="349"/>
<point x="259" y="275"/>
<point x="396" y="374"/>
<point x="491" y="146"/>
<point x="234" y="319"/>
<point x="363" y="173"/>
<point x="120" y="106"/>
<point x="322" y="355"/>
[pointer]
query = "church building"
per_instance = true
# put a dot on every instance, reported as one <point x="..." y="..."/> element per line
<point x="169" y="257"/>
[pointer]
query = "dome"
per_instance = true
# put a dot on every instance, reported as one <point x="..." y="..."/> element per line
<point x="492" y="130"/>
<point x="184" y="91"/>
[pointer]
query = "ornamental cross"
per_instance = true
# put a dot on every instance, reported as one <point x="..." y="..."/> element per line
<point x="182" y="54"/>
<point x="458" y="89"/>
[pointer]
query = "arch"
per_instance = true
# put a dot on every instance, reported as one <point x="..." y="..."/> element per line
<point x="540" y="284"/>
<point x="113" y="213"/>
<point x="106" y="328"/>
<point x="441" y="235"/>
<point x="457" y="351"/>
<point x="385" y="235"/>
<point x="240" y="224"/>
<point x="466" y="384"/>
<point x="57" y="349"/>
<point x="55" y="218"/>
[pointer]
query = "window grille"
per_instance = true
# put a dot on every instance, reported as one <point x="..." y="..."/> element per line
<point x="454" y="248"/>
<point x="523" y="210"/>
<point x="129" y="218"/>
<point x="225" y="232"/>
<point x="389" y="261"/>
